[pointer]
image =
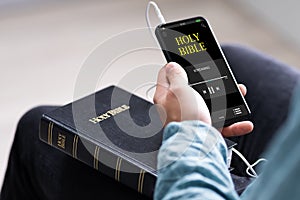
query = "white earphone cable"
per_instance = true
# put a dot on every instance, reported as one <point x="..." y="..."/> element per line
<point x="163" y="21"/>
<point x="249" y="166"/>
<point x="158" y="13"/>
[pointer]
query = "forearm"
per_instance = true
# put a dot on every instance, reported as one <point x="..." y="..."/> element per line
<point x="192" y="164"/>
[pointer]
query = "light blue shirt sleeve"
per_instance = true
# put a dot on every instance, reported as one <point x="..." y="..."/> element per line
<point x="192" y="164"/>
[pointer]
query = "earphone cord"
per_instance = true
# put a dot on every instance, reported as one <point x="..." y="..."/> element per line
<point x="163" y="21"/>
<point x="249" y="166"/>
<point x="158" y="13"/>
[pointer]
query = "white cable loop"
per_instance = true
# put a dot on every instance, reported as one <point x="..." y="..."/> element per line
<point x="249" y="166"/>
<point x="253" y="165"/>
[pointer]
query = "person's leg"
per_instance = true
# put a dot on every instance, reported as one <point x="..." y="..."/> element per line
<point x="270" y="85"/>
<point x="38" y="171"/>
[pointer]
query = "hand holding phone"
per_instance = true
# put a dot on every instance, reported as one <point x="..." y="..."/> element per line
<point x="172" y="94"/>
<point x="192" y="44"/>
<point x="171" y="106"/>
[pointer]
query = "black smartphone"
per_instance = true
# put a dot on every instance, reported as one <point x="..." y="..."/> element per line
<point x="192" y="44"/>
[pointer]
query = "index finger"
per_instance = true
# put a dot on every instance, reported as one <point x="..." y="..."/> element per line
<point x="237" y="129"/>
<point x="243" y="89"/>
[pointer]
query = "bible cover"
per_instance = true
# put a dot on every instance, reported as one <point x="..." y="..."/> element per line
<point x="113" y="131"/>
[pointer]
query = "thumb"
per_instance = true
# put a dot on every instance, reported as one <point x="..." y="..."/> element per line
<point x="176" y="75"/>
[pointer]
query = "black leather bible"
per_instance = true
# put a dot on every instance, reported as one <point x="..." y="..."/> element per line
<point x="113" y="131"/>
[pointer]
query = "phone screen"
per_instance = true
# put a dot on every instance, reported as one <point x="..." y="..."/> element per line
<point x="191" y="43"/>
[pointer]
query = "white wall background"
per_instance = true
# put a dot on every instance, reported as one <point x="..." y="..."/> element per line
<point x="282" y="16"/>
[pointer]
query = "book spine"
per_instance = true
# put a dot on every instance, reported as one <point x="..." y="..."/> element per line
<point x="97" y="157"/>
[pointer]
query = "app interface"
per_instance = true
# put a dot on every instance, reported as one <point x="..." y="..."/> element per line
<point x="192" y="45"/>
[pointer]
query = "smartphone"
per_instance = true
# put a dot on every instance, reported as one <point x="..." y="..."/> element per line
<point x="192" y="44"/>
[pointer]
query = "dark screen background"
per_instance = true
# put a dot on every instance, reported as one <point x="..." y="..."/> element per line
<point x="207" y="70"/>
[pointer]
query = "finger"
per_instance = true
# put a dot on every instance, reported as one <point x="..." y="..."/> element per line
<point x="162" y="113"/>
<point x="162" y="84"/>
<point x="237" y="129"/>
<point x="162" y="77"/>
<point x="243" y="89"/>
<point x="176" y="75"/>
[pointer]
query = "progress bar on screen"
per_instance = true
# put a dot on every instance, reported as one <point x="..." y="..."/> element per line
<point x="210" y="80"/>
